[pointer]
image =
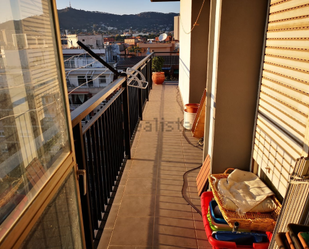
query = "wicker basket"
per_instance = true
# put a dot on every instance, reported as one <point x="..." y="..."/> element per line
<point x="251" y="220"/>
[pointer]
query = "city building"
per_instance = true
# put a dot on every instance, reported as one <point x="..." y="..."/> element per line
<point x="67" y="182"/>
<point x="130" y="41"/>
<point x="157" y="47"/>
<point x="109" y="39"/>
<point x="85" y="75"/>
<point x="92" y="41"/>
<point x="168" y="50"/>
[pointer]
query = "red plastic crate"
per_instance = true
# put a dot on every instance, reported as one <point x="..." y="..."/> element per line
<point x="206" y="197"/>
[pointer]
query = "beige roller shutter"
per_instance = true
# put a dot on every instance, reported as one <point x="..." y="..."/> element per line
<point x="282" y="129"/>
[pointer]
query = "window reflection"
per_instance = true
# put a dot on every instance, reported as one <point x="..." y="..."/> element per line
<point x="33" y="128"/>
<point x="59" y="225"/>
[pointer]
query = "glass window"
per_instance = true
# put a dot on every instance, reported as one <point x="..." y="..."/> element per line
<point x="79" y="98"/>
<point x="102" y="80"/>
<point x="59" y="225"/>
<point x="34" y="133"/>
<point x="69" y="61"/>
<point x="83" y="82"/>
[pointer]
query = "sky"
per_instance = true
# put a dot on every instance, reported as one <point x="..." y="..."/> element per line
<point x="120" y="6"/>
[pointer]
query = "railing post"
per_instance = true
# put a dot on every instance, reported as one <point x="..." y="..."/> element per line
<point x="140" y="101"/>
<point x="81" y="161"/>
<point x="147" y="79"/>
<point x="150" y="73"/>
<point x="126" y="121"/>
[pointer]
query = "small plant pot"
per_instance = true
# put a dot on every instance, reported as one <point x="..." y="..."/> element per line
<point x="158" y="77"/>
<point x="191" y="108"/>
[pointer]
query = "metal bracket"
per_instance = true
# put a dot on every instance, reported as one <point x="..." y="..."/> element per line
<point x="82" y="172"/>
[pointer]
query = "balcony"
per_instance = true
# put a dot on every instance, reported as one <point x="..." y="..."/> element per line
<point x="82" y="63"/>
<point x="121" y="185"/>
<point x="149" y="209"/>
<point x="135" y="153"/>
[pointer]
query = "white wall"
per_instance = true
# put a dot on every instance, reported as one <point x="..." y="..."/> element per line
<point x="185" y="49"/>
<point x="86" y="39"/>
<point x="236" y="44"/>
<point x="91" y="40"/>
<point x="215" y="17"/>
<point x="72" y="41"/>
<point x="176" y="28"/>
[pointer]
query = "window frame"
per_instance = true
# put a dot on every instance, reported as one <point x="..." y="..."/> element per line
<point x="23" y="225"/>
<point x="102" y="84"/>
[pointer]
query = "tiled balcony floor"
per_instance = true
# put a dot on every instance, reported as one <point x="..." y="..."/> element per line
<point x="149" y="210"/>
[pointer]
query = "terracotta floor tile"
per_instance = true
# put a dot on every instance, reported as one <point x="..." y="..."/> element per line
<point x="174" y="232"/>
<point x="140" y="186"/>
<point x="105" y="239"/>
<point x="133" y="231"/>
<point x="150" y="212"/>
<point x="172" y="206"/>
<point x="110" y="223"/>
<point x="143" y="168"/>
<point x="136" y="206"/>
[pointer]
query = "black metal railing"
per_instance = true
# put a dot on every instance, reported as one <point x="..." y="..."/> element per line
<point x="170" y="64"/>
<point x="103" y="130"/>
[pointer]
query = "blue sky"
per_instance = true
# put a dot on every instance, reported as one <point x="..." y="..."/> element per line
<point x="120" y="6"/>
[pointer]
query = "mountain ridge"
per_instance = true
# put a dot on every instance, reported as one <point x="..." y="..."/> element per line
<point x="70" y="18"/>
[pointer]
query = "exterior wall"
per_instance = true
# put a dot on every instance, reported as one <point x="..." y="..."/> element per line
<point x="157" y="47"/>
<point x="193" y="49"/>
<point x="96" y="82"/>
<point x="199" y="49"/>
<point x="213" y="51"/>
<point x="130" y="41"/>
<point x="235" y="83"/>
<point x="94" y="41"/>
<point x="184" y="49"/>
<point x="109" y="39"/>
<point x="72" y="52"/>
<point x="77" y="58"/>
<point x="72" y="41"/>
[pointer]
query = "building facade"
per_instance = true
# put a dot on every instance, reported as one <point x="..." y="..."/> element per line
<point x="92" y="41"/>
<point x="85" y="75"/>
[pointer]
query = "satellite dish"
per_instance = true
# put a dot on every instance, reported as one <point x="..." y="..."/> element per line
<point x="162" y="37"/>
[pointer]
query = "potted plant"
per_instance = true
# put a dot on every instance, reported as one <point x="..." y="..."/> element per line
<point x="158" y="76"/>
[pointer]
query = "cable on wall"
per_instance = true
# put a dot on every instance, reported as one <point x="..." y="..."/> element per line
<point x="195" y="23"/>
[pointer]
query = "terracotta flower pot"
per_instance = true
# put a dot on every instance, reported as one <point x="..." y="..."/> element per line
<point x="191" y="108"/>
<point x="158" y="77"/>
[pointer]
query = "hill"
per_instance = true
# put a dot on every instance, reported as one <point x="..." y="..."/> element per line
<point x="70" y="18"/>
